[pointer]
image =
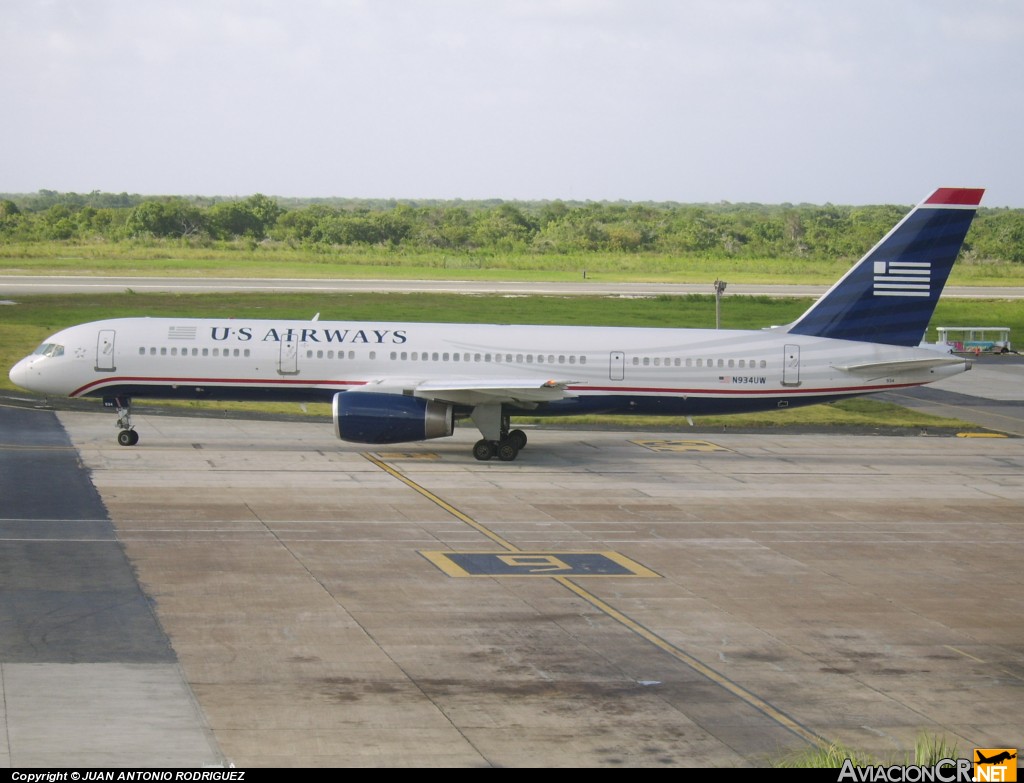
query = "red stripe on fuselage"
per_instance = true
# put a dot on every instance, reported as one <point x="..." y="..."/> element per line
<point x="718" y="392"/>
<point x="296" y="382"/>
<point x="208" y="382"/>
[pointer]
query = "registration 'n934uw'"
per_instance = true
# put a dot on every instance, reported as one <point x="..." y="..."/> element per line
<point x="404" y="382"/>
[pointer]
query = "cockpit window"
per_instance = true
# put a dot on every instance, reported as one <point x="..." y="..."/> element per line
<point x="49" y="349"/>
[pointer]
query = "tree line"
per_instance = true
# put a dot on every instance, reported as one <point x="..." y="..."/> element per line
<point x="494" y="226"/>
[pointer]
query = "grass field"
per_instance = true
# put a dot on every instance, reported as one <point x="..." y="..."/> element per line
<point x="277" y="260"/>
<point x="23" y="325"/>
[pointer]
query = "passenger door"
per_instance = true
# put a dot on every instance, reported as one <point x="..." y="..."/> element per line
<point x="791" y="365"/>
<point x="105" y="351"/>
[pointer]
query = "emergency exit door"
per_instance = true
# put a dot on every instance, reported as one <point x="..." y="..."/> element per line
<point x="617" y="365"/>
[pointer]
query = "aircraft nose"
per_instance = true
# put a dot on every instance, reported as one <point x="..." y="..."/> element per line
<point x="19" y="374"/>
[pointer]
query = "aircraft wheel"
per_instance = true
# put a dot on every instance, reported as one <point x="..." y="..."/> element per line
<point x="483" y="450"/>
<point x="518" y="437"/>
<point x="507" y="450"/>
<point x="127" y="437"/>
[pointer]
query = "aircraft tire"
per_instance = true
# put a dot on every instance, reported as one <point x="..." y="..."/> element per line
<point x="127" y="438"/>
<point x="483" y="450"/>
<point x="518" y="437"/>
<point x="507" y="450"/>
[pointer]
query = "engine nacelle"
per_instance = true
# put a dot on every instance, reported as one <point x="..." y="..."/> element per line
<point x="374" y="417"/>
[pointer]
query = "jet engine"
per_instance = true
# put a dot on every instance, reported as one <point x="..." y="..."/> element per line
<point x="374" y="417"/>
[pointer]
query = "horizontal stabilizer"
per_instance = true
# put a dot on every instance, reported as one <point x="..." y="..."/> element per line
<point x="884" y="368"/>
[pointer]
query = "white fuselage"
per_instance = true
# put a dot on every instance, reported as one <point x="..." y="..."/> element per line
<point x="601" y="369"/>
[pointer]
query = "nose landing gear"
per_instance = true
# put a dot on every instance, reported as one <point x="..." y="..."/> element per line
<point x="123" y="406"/>
<point x="127" y="437"/>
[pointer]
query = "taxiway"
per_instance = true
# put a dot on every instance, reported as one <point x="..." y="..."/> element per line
<point x="259" y="593"/>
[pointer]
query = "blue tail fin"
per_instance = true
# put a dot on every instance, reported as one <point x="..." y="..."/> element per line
<point x="890" y="295"/>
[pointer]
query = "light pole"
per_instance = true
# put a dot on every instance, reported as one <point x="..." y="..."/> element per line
<point x="719" y="290"/>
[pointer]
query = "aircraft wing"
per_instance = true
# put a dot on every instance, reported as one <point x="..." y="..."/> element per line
<point x="493" y="390"/>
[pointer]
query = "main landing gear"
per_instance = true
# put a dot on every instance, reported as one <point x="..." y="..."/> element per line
<point x="506" y="449"/>
<point x="498" y="441"/>
<point x="123" y="405"/>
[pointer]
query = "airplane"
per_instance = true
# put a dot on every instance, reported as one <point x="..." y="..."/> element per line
<point x="407" y="382"/>
<point x="996" y="759"/>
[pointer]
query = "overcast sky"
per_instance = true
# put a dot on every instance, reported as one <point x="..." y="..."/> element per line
<point x="864" y="101"/>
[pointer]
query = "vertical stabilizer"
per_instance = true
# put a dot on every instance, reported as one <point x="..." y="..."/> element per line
<point x="891" y="293"/>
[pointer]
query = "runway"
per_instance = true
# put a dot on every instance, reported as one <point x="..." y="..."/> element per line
<point x="610" y="599"/>
<point x="19" y="285"/>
